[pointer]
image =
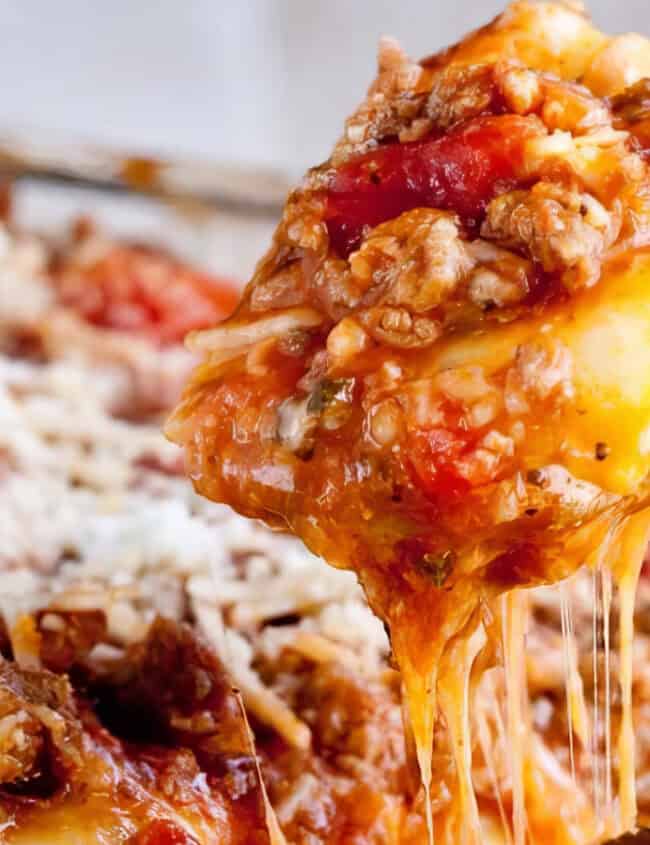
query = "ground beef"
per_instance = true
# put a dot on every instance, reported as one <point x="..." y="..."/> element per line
<point x="564" y="231"/>
<point x="40" y="734"/>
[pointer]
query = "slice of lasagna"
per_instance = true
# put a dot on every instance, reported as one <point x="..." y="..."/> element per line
<point x="439" y="375"/>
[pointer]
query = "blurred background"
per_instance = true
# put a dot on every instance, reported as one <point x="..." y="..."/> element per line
<point x="264" y="82"/>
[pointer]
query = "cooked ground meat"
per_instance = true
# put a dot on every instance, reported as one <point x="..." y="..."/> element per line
<point x="358" y="773"/>
<point x="563" y="231"/>
<point x="40" y="733"/>
<point x="414" y="261"/>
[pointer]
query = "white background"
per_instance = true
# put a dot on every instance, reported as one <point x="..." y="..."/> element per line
<point x="256" y="81"/>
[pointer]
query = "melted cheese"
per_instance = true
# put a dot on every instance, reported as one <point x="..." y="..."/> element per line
<point x="437" y="684"/>
<point x="633" y="546"/>
<point x="420" y="638"/>
<point x="514" y="621"/>
<point x="545" y="36"/>
<point x="420" y="687"/>
<point x="607" y="331"/>
<point x="454" y="699"/>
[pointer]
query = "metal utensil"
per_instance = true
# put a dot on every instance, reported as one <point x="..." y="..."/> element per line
<point x="234" y="187"/>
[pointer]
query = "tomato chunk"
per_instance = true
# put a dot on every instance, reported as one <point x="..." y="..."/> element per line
<point x="434" y="457"/>
<point x="164" y="832"/>
<point x="460" y="172"/>
<point x="142" y="291"/>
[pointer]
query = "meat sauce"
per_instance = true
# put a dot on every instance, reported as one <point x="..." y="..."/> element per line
<point x="433" y="468"/>
<point x="436" y="468"/>
<point x="132" y="748"/>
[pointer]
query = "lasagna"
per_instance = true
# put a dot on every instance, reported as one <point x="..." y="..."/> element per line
<point x="438" y="377"/>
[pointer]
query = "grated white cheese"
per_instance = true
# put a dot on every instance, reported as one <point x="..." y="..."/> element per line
<point x="94" y="512"/>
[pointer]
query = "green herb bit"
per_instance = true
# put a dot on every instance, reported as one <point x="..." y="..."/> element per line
<point x="437" y="566"/>
<point x="329" y="391"/>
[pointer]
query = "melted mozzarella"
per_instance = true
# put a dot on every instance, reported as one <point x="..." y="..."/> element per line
<point x="633" y="546"/>
<point x="454" y="698"/>
<point x="607" y="331"/>
<point x="515" y="618"/>
<point x="543" y="36"/>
